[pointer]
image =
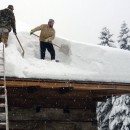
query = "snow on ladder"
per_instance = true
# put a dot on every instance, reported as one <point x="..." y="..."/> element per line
<point x="4" y="123"/>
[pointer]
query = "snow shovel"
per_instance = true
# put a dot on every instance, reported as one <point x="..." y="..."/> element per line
<point x="63" y="48"/>
<point x="20" y="44"/>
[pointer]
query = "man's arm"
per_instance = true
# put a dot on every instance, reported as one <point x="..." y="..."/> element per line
<point x="36" y="29"/>
<point x="13" y="23"/>
<point x="52" y="37"/>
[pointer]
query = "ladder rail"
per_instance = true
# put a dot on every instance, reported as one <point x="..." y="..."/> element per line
<point x="5" y="90"/>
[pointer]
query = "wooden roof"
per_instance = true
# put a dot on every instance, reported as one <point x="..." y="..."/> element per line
<point x="48" y="93"/>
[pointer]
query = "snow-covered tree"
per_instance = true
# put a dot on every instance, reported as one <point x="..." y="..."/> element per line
<point x="103" y="112"/>
<point x="114" y="114"/>
<point x="124" y="37"/>
<point x="105" y="38"/>
<point x="119" y="119"/>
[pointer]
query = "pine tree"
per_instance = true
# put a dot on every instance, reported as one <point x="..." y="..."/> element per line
<point x="114" y="114"/>
<point x="103" y="112"/>
<point x="106" y="38"/>
<point x="124" y="37"/>
<point x="119" y="119"/>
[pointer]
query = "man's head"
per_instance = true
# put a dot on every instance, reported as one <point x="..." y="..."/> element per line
<point x="11" y="7"/>
<point x="51" y="22"/>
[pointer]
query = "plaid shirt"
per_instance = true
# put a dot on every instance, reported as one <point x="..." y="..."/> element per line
<point x="7" y="19"/>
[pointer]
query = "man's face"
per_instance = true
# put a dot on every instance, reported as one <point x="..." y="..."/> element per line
<point x="50" y="24"/>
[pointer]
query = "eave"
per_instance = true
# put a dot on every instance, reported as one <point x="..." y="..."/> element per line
<point x="48" y="93"/>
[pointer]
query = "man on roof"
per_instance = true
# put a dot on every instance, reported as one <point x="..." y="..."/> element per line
<point x="7" y="23"/>
<point x="47" y="34"/>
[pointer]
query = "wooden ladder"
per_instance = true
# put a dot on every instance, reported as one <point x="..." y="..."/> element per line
<point x="4" y="123"/>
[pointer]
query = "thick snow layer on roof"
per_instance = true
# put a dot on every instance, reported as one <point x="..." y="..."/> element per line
<point x="85" y="62"/>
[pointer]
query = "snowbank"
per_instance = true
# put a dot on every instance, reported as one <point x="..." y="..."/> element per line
<point x="85" y="62"/>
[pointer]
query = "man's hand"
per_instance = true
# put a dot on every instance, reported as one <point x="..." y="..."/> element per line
<point x="46" y="40"/>
<point x="31" y="32"/>
<point x="15" y="33"/>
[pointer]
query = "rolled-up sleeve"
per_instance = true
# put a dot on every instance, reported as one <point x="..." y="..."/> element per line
<point x="37" y="28"/>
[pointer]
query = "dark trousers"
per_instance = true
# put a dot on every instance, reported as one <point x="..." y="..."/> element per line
<point x="49" y="47"/>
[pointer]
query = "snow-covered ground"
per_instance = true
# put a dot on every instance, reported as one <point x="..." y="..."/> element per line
<point x="85" y="62"/>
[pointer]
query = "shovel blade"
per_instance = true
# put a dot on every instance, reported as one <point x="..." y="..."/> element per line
<point x="65" y="49"/>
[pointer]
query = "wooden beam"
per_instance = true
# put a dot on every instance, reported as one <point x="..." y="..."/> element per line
<point x="76" y="85"/>
<point x="24" y="92"/>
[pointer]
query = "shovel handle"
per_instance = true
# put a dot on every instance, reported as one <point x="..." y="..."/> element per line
<point x="19" y="43"/>
<point x="35" y="35"/>
<point x="52" y="43"/>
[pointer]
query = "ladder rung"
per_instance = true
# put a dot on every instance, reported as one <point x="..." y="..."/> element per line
<point x="1" y="71"/>
<point x="2" y="104"/>
<point x="2" y="86"/>
<point x="2" y="96"/>
<point x="2" y="114"/>
<point x="2" y="123"/>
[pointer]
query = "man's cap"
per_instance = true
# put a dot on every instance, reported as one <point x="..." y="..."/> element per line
<point x="51" y="20"/>
<point x="11" y="7"/>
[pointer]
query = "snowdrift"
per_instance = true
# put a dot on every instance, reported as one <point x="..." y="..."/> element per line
<point x="85" y="62"/>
